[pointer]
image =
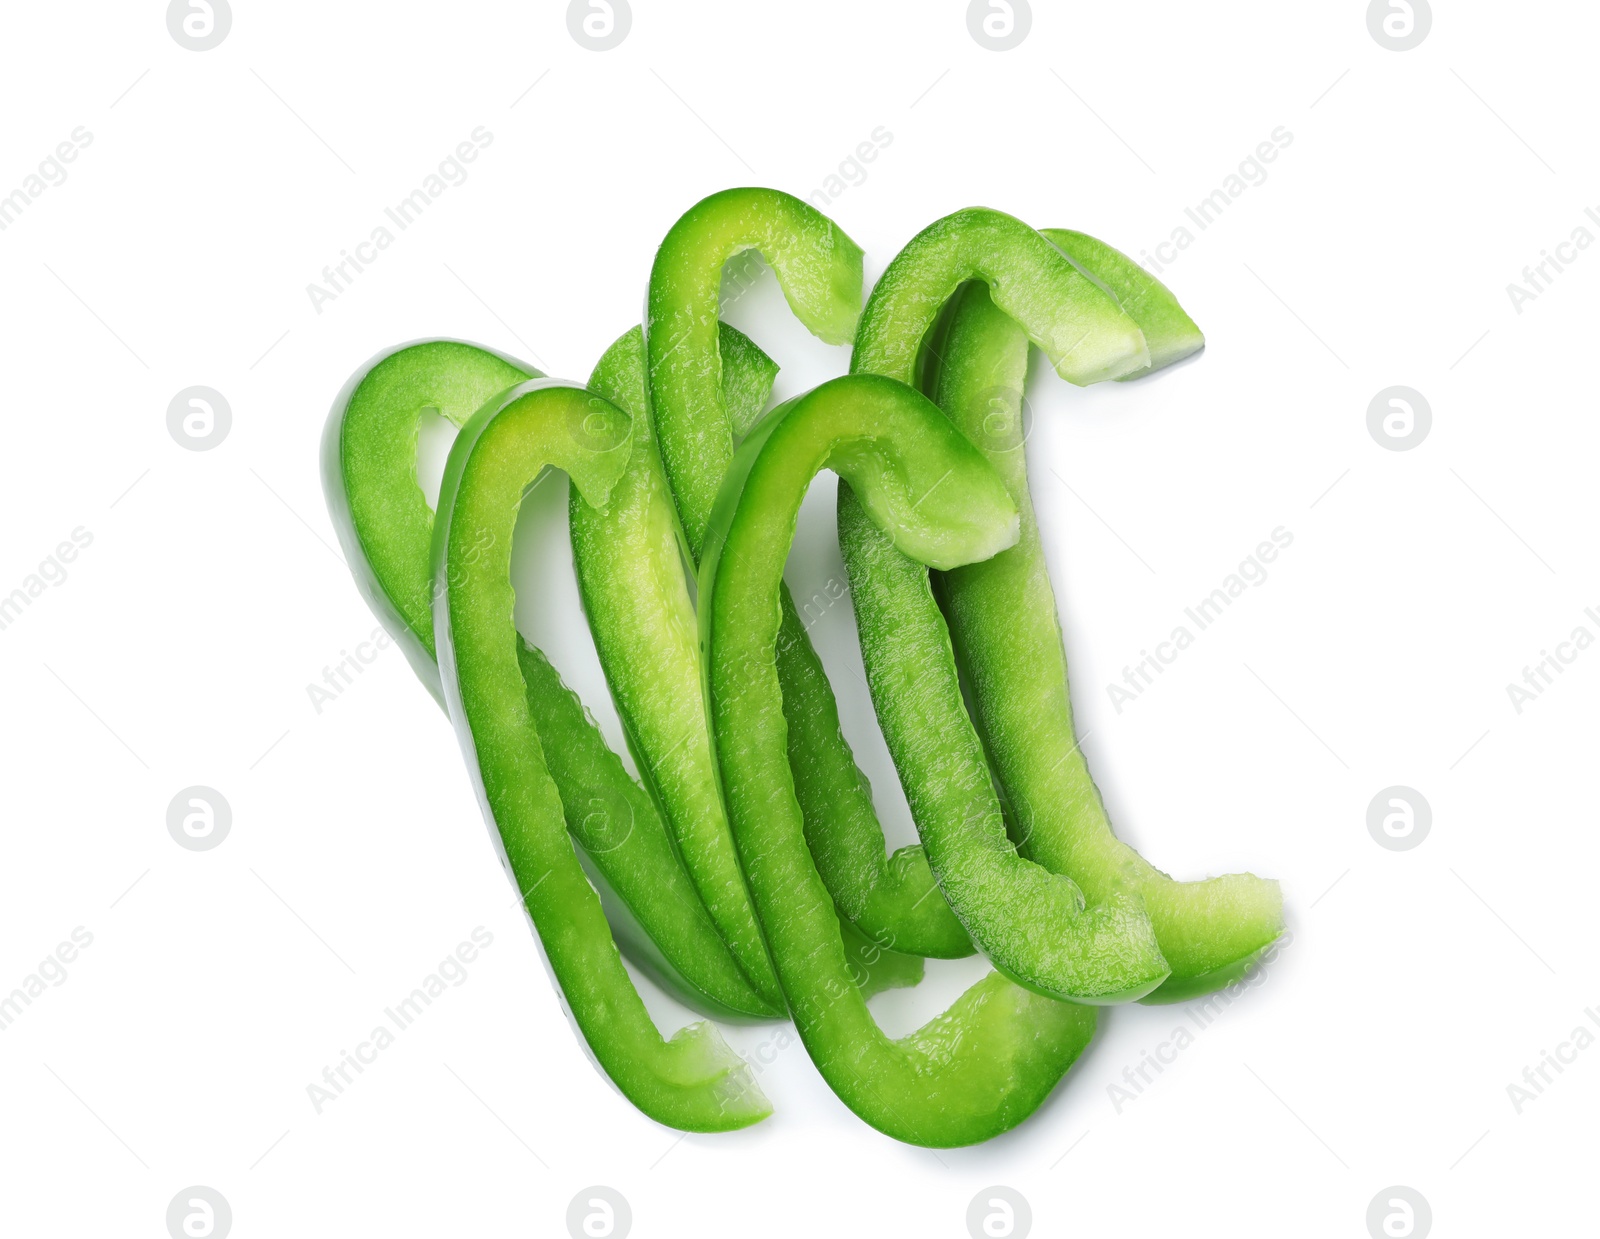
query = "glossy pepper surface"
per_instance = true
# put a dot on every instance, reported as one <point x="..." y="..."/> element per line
<point x="991" y="1059"/>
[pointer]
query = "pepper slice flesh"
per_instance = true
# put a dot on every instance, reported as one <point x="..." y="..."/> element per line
<point x="630" y="575"/>
<point x="1029" y="921"/>
<point x="1087" y="339"/>
<point x="369" y="475"/>
<point x="653" y="908"/>
<point x="386" y="529"/>
<point x="691" y="1081"/>
<point x="1003" y="621"/>
<point x="1170" y="334"/>
<point x="819" y="269"/>
<point x="893" y="900"/>
<point x="991" y="1059"/>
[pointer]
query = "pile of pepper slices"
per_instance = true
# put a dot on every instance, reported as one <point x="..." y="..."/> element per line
<point x="749" y="873"/>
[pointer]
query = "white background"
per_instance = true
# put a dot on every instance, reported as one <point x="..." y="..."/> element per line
<point x="179" y="648"/>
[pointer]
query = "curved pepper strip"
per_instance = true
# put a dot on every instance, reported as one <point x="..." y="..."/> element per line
<point x="629" y="565"/>
<point x="630" y="574"/>
<point x="386" y="529"/>
<point x="693" y="1081"/>
<point x="1030" y="922"/>
<point x="655" y="913"/>
<point x="1205" y="938"/>
<point x="990" y="1060"/>
<point x="369" y="475"/>
<point x="891" y="899"/>
<point x="631" y="577"/>
<point x="1003" y="621"/>
<point x="819" y="269"/>
<point x="1170" y="334"/>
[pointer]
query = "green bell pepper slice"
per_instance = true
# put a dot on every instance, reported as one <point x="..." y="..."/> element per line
<point x="1030" y="922"/>
<point x="691" y="1081"/>
<point x="628" y="561"/>
<point x="630" y="574"/>
<point x="1208" y="932"/>
<point x="1003" y="621"/>
<point x="991" y="1059"/>
<point x="369" y="475"/>
<point x="386" y="528"/>
<point x="819" y="269"/>
<point x="893" y="900"/>
<point x="1170" y="334"/>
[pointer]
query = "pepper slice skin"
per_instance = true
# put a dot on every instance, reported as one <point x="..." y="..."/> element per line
<point x="693" y="1081"/>
<point x="893" y="900"/>
<point x="990" y="1060"/>
<point x="1003" y="621"/>
<point x="386" y="529"/>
